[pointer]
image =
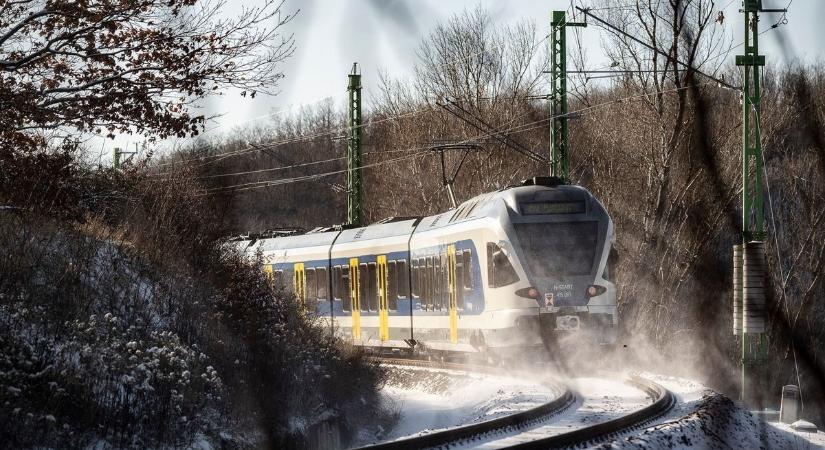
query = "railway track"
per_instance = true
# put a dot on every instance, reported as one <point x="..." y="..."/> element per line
<point x="484" y="432"/>
<point x="663" y="401"/>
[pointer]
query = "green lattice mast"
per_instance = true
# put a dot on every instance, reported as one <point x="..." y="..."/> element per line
<point x="355" y="187"/>
<point x="753" y="268"/>
<point x="560" y="145"/>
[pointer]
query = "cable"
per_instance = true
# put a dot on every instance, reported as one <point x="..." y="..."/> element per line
<point x="255" y="148"/>
<point x="782" y="21"/>
<point x="249" y="149"/>
<point x="422" y="150"/>
<point x="294" y="166"/>
<point x="513" y="130"/>
<point x="268" y="183"/>
<point x="650" y="47"/>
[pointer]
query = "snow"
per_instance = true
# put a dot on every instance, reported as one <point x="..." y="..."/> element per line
<point x="429" y="400"/>
<point x="598" y="400"/>
<point x="704" y="419"/>
<point x="802" y="439"/>
<point x="432" y="399"/>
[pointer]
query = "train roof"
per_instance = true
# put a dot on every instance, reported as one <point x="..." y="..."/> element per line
<point x="484" y="205"/>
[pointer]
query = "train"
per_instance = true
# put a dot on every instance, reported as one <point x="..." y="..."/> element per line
<point x="503" y="272"/>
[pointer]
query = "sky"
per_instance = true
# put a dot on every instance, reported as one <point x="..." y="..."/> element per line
<point x="384" y="35"/>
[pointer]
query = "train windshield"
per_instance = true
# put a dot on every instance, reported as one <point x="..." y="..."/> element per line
<point x="554" y="249"/>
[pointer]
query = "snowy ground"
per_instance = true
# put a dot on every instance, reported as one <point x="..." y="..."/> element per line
<point x="802" y="440"/>
<point x="598" y="400"/>
<point x="429" y="400"/>
<point x="705" y="420"/>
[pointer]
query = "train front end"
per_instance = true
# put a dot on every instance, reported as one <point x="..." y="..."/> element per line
<point x="562" y="237"/>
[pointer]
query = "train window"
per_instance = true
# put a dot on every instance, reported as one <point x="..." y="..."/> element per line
<point x="311" y="287"/>
<point x="278" y="277"/>
<point x="344" y="292"/>
<point x="392" y="285"/>
<point x="499" y="270"/>
<point x="403" y="278"/>
<point x="459" y="280"/>
<point x="467" y="266"/>
<point x="428" y="284"/>
<point x="372" y="288"/>
<point x="558" y="248"/>
<point x="438" y="283"/>
<point x="445" y="282"/>
<point x="323" y="282"/>
<point x="421" y="270"/>
<point x="363" y="287"/>
<point x="336" y="282"/>
<point x="414" y="276"/>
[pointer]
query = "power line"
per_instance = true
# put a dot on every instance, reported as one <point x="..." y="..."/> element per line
<point x="294" y="166"/>
<point x="782" y="21"/>
<point x="421" y="151"/>
<point x="279" y="111"/>
<point x="652" y="48"/>
<point x="255" y="148"/>
<point x="268" y="183"/>
<point x="479" y="124"/>
<point x="250" y="149"/>
<point x="211" y="159"/>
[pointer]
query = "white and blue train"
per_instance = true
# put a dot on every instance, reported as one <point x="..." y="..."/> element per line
<point x="511" y="269"/>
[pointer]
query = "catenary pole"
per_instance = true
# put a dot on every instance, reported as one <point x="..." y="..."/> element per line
<point x="754" y="289"/>
<point x="559" y="132"/>
<point x="355" y="187"/>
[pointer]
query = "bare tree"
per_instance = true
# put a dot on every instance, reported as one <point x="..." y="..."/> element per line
<point x="109" y="66"/>
<point x="492" y="73"/>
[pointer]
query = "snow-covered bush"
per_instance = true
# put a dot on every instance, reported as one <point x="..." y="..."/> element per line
<point x="138" y="329"/>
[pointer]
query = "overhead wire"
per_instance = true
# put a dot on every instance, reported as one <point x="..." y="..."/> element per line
<point x="271" y="145"/>
<point x="279" y="111"/>
<point x="211" y="159"/>
<point x="424" y="150"/>
<point x="654" y="49"/>
<point x="277" y="182"/>
<point x="250" y="149"/>
<point x="293" y="166"/>
<point x="517" y="129"/>
<point x="783" y="20"/>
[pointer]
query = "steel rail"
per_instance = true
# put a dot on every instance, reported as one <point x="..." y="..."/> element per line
<point x="473" y="431"/>
<point x="664" y="401"/>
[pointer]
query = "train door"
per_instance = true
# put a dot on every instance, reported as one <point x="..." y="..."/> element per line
<point x="355" y="297"/>
<point x="383" y="303"/>
<point x="452" y="290"/>
<point x="300" y="283"/>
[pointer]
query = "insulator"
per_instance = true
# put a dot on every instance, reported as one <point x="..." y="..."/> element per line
<point x="754" y="310"/>
<point x="737" y="289"/>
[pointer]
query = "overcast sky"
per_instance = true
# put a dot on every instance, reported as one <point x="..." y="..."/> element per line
<point x="384" y="34"/>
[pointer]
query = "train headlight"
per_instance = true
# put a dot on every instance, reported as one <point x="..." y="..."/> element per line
<point x="594" y="290"/>
<point x="528" y="292"/>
